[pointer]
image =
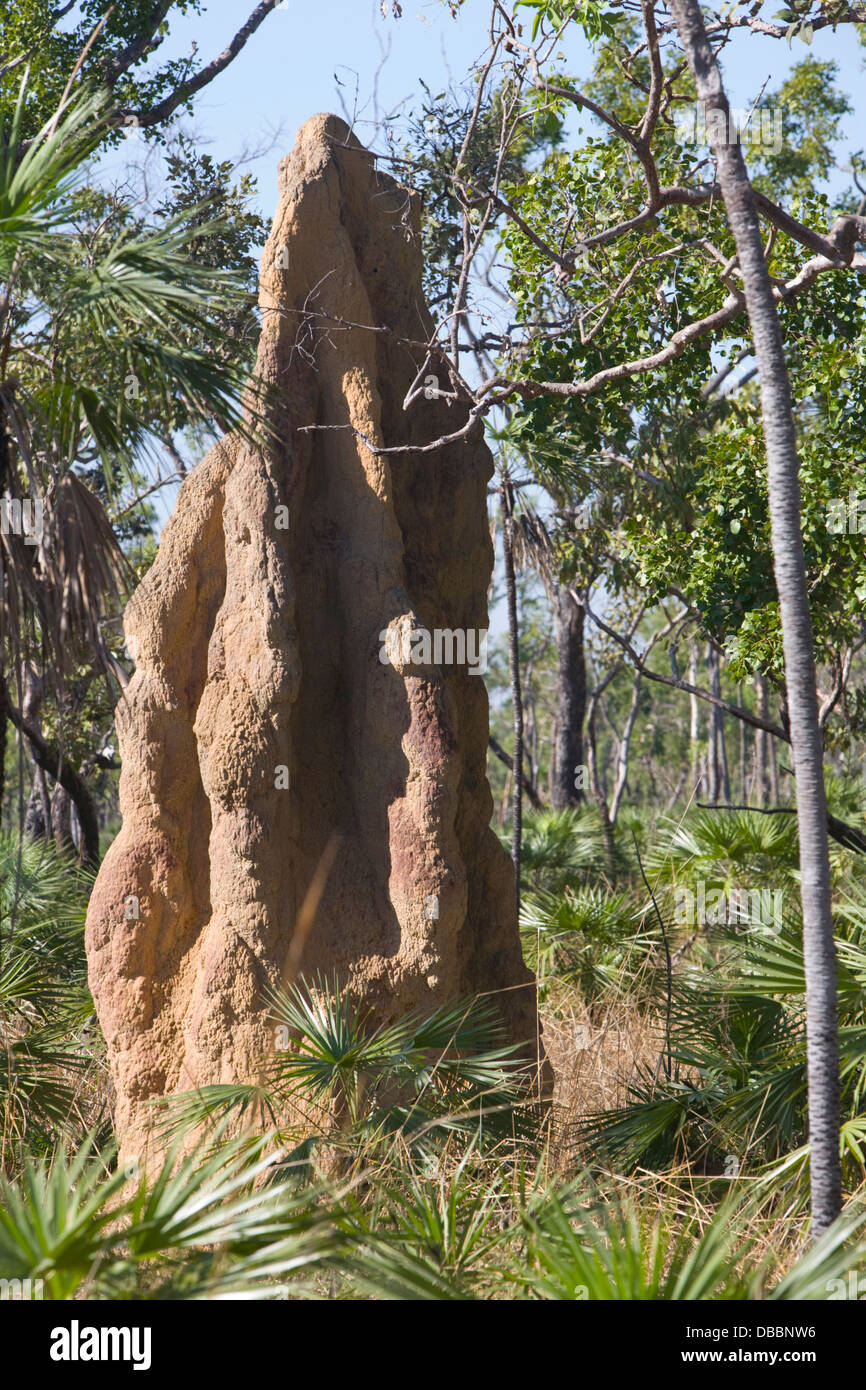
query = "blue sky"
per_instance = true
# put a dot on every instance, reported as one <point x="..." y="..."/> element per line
<point x="294" y="65"/>
<point x="344" y="56"/>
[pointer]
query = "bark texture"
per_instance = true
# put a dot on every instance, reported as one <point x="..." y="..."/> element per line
<point x="800" y="677"/>
<point x="571" y="702"/>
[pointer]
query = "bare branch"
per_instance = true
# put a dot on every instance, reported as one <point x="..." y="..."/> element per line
<point x="166" y="108"/>
<point x="738" y="711"/>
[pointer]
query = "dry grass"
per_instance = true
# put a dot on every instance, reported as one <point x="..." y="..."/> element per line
<point x="595" y="1051"/>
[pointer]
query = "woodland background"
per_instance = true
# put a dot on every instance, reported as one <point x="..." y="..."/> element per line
<point x="638" y="670"/>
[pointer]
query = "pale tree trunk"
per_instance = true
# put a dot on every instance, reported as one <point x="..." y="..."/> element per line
<point x="624" y="749"/>
<point x="724" y="775"/>
<point x="822" y="1048"/>
<point x="571" y="701"/>
<point x="762" y="743"/>
<point x="598" y="791"/>
<point x="530" y="733"/>
<point x="723" y="779"/>
<point x="742" y="736"/>
<point x="551" y="761"/>
<point x="774" y="771"/>
<point x="505" y="802"/>
<point x="37" y="818"/>
<point x="712" y="737"/>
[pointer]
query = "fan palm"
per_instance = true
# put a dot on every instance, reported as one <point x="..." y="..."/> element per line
<point x="587" y="937"/>
<point x="560" y="848"/>
<point x="204" y="1228"/>
<point x="437" y="1071"/>
<point x="109" y="343"/>
<point x="726" y="849"/>
<point x="44" y="1002"/>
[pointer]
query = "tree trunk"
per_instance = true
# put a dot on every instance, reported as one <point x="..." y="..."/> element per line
<point x="37" y="823"/>
<point x="530" y="731"/>
<point x="712" y="736"/>
<point x="623" y="751"/>
<point x="529" y="787"/>
<point x="516" y="697"/>
<point x="4" y="725"/>
<point x="571" y="701"/>
<point x="598" y="791"/>
<point x="774" y="770"/>
<point x="783" y="485"/>
<point x="49" y="759"/>
<point x="61" y="819"/>
<point x="721" y="757"/>
<point x="37" y="818"/>
<point x="772" y="763"/>
<point x="551" y="761"/>
<point x="724" y="775"/>
<point x="762" y="744"/>
<point x="742" y="737"/>
<point x="694" y="721"/>
<point x="505" y="801"/>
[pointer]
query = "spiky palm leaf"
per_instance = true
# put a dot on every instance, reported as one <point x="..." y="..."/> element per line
<point x="44" y="1002"/>
<point x="108" y="341"/>
<point x="560" y="848"/>
<point x="337" y="1051"/>
<point x="441" y="1070"/>
<point x="595" y="940"/>
<point x="726" y="848"/>
<point x="429" y="1238"/>
<point x="204" y="1227"/>
<point x="618" y="1253"/>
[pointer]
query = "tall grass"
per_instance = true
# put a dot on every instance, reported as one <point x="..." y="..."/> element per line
<point x="413" y="1161"/>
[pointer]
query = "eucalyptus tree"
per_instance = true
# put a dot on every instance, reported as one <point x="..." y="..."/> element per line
<point x="783" y="487"/>
<point x="635" y="262"/>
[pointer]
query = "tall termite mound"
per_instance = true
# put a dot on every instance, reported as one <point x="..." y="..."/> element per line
<point x="270" y="729"/>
